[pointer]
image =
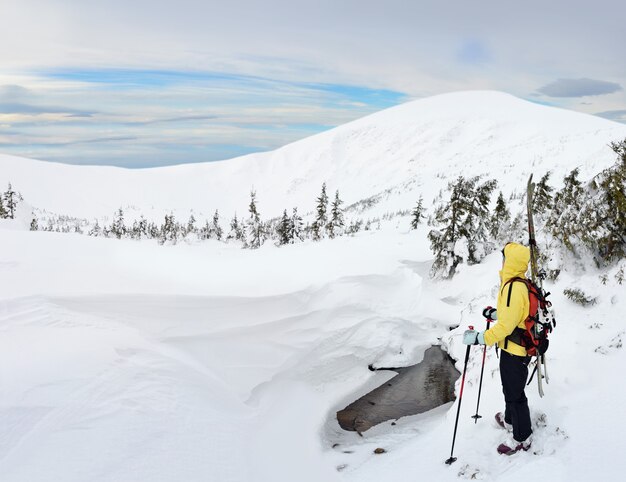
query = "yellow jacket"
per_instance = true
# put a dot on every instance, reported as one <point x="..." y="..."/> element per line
<point x="515" y="265"/>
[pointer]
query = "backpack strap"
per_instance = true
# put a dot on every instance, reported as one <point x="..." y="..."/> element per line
<point x="515" y="335"/>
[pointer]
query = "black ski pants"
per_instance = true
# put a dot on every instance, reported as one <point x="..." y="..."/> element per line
<point x="514" y="372"/>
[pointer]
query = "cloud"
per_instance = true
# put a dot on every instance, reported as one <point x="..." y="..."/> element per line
<point x="184" y="118"/>
<point x="118" y="116"/>
<point x="614" y="115"/>
<point x="20" y="108"/>
<point x="579" y="88"/>
<point x="13" y="92"/>
<point x="473" y="52"/>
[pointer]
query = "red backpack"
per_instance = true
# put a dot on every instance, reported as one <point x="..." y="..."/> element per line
<point x="539" y="323"/>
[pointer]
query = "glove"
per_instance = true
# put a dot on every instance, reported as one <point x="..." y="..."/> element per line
<point x="473" y="337"/>
<point x="490" y="313"/>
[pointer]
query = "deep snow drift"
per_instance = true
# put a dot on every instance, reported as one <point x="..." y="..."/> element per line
<point x="129" y="361"/>
<point x="128" y="369"/>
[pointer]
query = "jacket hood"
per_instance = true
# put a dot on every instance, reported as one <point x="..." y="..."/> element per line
<point x="516" y="259"/>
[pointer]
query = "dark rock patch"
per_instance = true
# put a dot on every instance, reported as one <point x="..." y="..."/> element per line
<point x="416" y="389"/>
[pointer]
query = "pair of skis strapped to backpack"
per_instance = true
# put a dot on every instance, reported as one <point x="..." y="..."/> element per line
<point x="540" y="321"/>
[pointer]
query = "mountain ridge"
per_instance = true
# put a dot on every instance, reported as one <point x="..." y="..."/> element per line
<point x="420" y="144"/>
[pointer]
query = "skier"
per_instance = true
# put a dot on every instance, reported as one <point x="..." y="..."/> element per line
<point x="512" y="311"/>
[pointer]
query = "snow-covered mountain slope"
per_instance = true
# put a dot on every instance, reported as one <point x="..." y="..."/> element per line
<point x="410" y="150"/>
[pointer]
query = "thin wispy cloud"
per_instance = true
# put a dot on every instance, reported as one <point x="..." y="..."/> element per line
<point x="579" y="88"/>
<point x="175" y="115"/>
<point x="614" y="115"/>
<point x="19" y="108"/>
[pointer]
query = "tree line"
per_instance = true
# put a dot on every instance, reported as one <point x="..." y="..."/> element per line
<point x="580" y="217"/>
<point x="251" y="231"/>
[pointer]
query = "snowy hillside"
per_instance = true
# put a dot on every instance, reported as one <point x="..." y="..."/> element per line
<point x="402" y="152"/>
<point x="124" y="360"/>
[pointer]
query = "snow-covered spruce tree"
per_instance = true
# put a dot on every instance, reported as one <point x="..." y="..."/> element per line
<point x="154" y="232"/>
<point x="191" y="225"/>
<point x="95" y="230"/>
<point x="255" y="227"/>
<point x="335" y="226"/>
<point x="169" y="230"/>
<point x="564" y="221"/>
<point x="3" y="212"/>
<point x="283" y="229"/>
<point x="295" y="227"/>
<point x="500" y="222"/>
<point x="542" y="198"/>
<point x="142" y="228"/>
<point x="606" y="211"/>
<point x="215" y="226"/>
<point x="417" y="214"/>
<point x="11" y="199"/>
<point x="118" y="229"/>
<point x="355" y="226"/>
<point x="34" y="226"/>
<point x="204" y="232"/>
<point x="237" y="230"/>
<point x="321" y="218"/>
<point x="462" y="222"/>
<point x="134" y="231"/>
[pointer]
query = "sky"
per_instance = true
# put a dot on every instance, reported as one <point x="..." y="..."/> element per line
<point x="147" y="83"/>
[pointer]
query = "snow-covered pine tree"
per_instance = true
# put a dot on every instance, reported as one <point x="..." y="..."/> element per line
<point x="295" y="227"/>
<point x="34" y="226"/>
<point x="191" y="225"/>
<point x="95" y="231"/>
<point x="542" y="198"/>
<point x="417" y="214"/>
<point x="204" y="232"/>
<point x="153" y="231"/>
<point x="321" y="218"/>
<point x="215" y="227"/>
<point x="134" y="231"/>
<point x="605" y="214"/>
<point x="236" y="230"/>
<point x="118" y="229"/>
<point x="10" y="200"/>
<point x="462" y="222"/>
<point x="169" y="229"/>
<point x="500" y="221"/>
<point x="283" y="229"/>
<point x="142" y="228"/>
<point x="564" y="221"/>
<point x="355" y="226"/>
<point x="3" y="211"/>
<point x="256" y="228"/>
<point x="335" y="227"/>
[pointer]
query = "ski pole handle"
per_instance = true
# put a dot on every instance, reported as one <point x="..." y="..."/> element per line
<point x="489" y="312"/>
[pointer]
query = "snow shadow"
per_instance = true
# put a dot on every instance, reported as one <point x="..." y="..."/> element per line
<point x="416" y="389"/>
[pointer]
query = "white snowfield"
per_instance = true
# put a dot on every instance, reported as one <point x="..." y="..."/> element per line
<point x="127" y="361"/>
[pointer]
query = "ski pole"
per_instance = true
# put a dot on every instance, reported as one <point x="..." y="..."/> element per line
<point x="452" y="459"/>
<point x="487" y="315"/>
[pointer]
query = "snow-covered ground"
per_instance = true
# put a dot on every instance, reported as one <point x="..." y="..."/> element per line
<point x="130" y="361"/>
<point x="125" y="360"/>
